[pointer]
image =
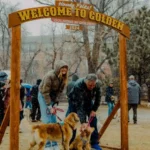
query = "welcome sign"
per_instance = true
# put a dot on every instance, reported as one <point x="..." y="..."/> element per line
<point x="68" y="12"/>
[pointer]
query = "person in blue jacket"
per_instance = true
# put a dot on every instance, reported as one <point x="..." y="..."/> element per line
<point x="110" y="97"/>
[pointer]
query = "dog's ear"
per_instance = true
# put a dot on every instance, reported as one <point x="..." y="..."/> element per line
<point x="76" y="118"/>
<point x="90" y="129"/>
<point x="72" y="119"/>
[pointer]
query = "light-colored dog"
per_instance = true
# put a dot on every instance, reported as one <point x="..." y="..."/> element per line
<point x="25" y="125"/>
<point x="148" y="104"/>
<point x="54" y="132"/>
<point x="82" y="141"/>
<point x="117" y="115"/>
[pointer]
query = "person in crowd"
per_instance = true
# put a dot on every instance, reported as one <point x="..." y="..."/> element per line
<point x="6" y="97"/>
<point x="110" y="97"/>
<point x="22" y="94"/>
<point x="133" y="96"/>
<point x="28" y="103"/>
<point x="84" y="99"/>
<point x="69" y="88"/>
<point x="52" y="84"/>
<point x="1" y="101"/>
<point x="148" y="86"/>
<point x="36" y="113"/>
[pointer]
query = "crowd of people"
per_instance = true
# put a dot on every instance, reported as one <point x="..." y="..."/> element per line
<point x="83" y="94"/>
<point x="28" y="99"/>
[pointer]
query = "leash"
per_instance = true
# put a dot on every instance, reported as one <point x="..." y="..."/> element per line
<point x="62" y="135"/>
<point x="90" y="120"/>
<point x="57" y="109"/>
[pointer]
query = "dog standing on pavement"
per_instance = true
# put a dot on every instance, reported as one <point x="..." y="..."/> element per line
<point x="25" y="122"/>
<point x="117" y="115"/>
<point x="148" y="104"/>
<point x="54" y="132"/>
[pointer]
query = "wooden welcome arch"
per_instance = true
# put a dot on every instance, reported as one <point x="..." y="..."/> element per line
<point x="75" y="13"/>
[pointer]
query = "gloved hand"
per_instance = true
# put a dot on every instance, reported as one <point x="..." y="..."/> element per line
<point x="112" y="98"/>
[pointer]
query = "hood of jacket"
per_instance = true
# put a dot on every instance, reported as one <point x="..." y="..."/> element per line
<point x="132" y="82"/>
<point x="75" y="77"/>
<point x="59" y="65"/>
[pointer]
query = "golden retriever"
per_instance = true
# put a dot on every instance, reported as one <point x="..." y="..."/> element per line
<point x="82" y="141"/>
<point x="54" y="132"/>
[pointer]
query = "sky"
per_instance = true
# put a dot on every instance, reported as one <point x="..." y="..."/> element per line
<point x="37" y="27"/>
<point x="34" y="27"/>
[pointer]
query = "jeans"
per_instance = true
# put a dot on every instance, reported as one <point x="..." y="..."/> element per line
<point x="110" y="107"/>
<point x="28" y="104"/>
<point x="46" y="117"/>
<point x="134" y="107"/>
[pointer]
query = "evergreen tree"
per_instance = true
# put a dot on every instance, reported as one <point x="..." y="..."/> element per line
<point x="138" y="47"/>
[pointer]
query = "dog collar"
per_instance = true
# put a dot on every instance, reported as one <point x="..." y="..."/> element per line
<point x="83" y="140"/>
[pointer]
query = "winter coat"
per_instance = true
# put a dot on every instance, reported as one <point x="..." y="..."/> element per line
<point x="109" y="93"/>
<point x="71" y="84"/>
<point x="133" y="92"/>
<point x="34" y="91"/>
<point x="84" y="100"/>
<point x="22" y="93"/>
<point x="51" y="85"/>
<point x="148" y="86"/>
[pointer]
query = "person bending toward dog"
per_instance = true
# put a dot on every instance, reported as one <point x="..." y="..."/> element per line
<point x="84" y="99"/>
<point x="51" y="85"/>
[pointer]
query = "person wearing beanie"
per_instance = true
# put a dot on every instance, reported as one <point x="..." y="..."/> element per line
<point x="84" y="99"/>
<point x="36" y="113"/>
<point x="51" y="86"/>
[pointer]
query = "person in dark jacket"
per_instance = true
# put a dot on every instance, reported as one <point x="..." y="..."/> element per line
<point x="110" y="97"/>
<point x="133" y="96"/>
<point x="69" y="88"/>
<point x="148" y="86"/>
<point x="71" y="84"/>
<point x="22" y="94"/>
<point x="1" y="101"/>
<point x="84" y="99"/>
<point x="36" y="113"/>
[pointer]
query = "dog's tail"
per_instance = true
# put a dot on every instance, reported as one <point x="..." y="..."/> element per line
<point x="35" y="127"/>
<point x="25" y="126"/>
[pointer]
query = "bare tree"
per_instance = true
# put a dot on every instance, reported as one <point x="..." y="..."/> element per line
<point x="56" y="43"/>
<point x="99" y="33"/>
<point x="5" y="36"/>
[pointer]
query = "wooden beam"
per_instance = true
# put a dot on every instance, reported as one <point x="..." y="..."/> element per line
<point x="107" y="122"/>
<point x="4" y="123"/>
<point x="123" y="93"/>
<point x="15" y="88"/>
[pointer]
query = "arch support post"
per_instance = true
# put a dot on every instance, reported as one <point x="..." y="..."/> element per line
<point x="123" y="93"/>
<point x="15" y="88"/>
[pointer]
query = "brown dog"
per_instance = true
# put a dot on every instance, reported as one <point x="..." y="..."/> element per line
<point x="82" y="141"/>
<point x="54" y="132"/>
